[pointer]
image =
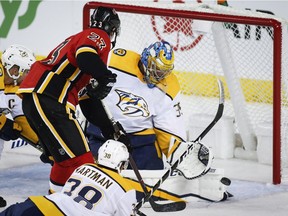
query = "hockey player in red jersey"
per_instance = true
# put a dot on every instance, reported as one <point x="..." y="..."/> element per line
<point x="92" y="189"/>
<point x="50" y="92"/>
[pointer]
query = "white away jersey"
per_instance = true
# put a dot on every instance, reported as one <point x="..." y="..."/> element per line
<point x="9" y="101"/>
<point x="91" y="190"/>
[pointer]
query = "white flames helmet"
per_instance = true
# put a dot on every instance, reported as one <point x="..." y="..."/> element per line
<point x="113" y="154"/>
<point x="20" y="56"/>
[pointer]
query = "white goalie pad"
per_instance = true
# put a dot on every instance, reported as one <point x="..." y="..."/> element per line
<point x="209" y="187"/>
<point x="196" y="162"/>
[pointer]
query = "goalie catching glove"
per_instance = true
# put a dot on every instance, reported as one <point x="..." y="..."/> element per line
<point x="101" y="87"/>
<point x="196" y="162"/>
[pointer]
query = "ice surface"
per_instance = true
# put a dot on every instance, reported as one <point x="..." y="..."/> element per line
<point x="251" y="197"/>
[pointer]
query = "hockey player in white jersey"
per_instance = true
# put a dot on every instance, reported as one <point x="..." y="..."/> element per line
<point x="92" y="189"/>
<point x="13" y="68"/>
<point x="145" y="100"/>
<point x="16" y="60"/>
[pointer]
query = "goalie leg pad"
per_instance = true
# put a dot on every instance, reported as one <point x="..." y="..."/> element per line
<point x="209" y="187"/>
<point x="196" y="162"/>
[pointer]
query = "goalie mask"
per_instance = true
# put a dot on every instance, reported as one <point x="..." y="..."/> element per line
<point x="17" y="55"/>
<point x="158" y="62"/>
<point x="108" y="20"/>
<point x="114" y="155"/>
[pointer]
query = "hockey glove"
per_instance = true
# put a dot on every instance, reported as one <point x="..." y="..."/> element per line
<point x="47" y="159"/>
<point x="3" y="202"/>
<point x="196" y="162"/>
<point x="9" y="130"/>
<point x="101" y="87"/>
<point x="5" y="111"/>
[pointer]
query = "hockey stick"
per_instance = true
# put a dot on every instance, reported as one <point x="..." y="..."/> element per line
<point x="199" y="138"/>
<point x="37" y="145"/>
<point x="167" y="207"/>
<point x="218" y="114"/>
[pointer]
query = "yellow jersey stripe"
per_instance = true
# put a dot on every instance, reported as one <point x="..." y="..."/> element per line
<point x="46" y="206"/>
<point x="52" y="129"/>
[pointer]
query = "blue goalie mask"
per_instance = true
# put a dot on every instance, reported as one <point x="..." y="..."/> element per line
<point x="158" y="62"/>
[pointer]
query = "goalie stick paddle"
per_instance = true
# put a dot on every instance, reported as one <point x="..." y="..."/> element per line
<point x="199" y="138"/>
<point x="166" y="207"/>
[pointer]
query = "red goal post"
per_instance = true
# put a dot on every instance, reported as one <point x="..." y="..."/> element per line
<point x="209" y="43"/>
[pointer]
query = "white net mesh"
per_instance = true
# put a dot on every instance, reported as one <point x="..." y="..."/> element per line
<point x="241" y="55"/>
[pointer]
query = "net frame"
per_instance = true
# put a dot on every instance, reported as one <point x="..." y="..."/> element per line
<point x="155" y="9"/>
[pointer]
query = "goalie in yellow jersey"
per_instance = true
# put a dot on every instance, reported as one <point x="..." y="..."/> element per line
<point x="16" y="61"/>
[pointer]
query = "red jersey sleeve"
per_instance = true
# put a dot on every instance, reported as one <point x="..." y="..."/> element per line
<point x="94" y="40"/>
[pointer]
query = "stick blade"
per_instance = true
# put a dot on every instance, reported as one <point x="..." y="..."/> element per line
<point x="168" y="207"/>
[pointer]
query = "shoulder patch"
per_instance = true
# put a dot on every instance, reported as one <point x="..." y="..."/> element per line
<point x="120" y="52"/>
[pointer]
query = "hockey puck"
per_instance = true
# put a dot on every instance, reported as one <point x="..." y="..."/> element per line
<point x="3" y="202"/>
<point x="226" y="181"/>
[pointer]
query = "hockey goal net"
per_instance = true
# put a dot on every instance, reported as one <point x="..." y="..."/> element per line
<point x="246" y="50"/>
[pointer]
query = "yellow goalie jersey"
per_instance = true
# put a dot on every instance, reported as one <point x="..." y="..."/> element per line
<point x="90" y="190"/>
<point x="142" y="110"/>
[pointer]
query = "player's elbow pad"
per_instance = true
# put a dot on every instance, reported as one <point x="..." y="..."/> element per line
<point x="9" y="129"/>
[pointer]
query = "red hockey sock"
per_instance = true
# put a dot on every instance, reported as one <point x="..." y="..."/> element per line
<point x="60" y="172"/>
